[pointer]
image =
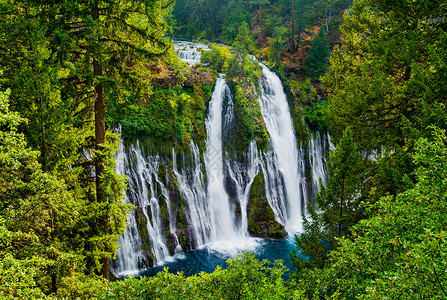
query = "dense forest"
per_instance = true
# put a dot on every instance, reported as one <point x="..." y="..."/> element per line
<point x="78" y="77"/>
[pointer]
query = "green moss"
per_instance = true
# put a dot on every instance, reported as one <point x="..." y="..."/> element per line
<point x="146" y="246"/>
<point x="158" y="187"/>
<point x="163" y="209"/>
<point x="261" y="219"/>
<point x="134" y="159"/>
<point x="173" y="186"/>
<point x="149" y="261"/>
<point x="182" y="240"/>
<point x="169" y="117"/>
<point x="162" y="173"/>
<point x="142" y="226"/>
<point x="181" y="217"/>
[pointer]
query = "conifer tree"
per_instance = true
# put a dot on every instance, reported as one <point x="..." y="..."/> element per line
<point x="317" y="61"/>
<point x="73" y="55"/>
<point x="338" y="205"/>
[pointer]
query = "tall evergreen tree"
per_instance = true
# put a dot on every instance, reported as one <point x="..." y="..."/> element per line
<point x="317" y="61"/>
<point x="338" y="205"/>
<point x="73" y="56"/>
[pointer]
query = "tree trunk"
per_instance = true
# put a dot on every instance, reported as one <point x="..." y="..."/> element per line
<point x="328" y="20"/>
<point x="299" y="37"/>
<point x="100" y="128"/>
<point x="260" y="13"/>
<point x="293" y="26"/>
<point x="341" y="206"/>
<point x="100" y="134"/>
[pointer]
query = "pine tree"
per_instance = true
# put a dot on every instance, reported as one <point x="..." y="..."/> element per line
<point x="317" y="61"/>
<point x="338" y="205"/>
<point x="63" y="59"/>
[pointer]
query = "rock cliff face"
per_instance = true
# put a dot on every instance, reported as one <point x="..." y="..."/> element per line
<point x="261" y="219"/>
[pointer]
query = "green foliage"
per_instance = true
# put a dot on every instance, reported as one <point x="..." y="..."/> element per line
<point x="58" y="57"/>
<point x="276" y="44"/>
<point x="385" y="78"/>
<point x="385" y="84"/>
<point x="171" y="116"/>
<point x="385" y="87"/>
<point x="400" y="252"/>
<point x="19" y="277"/>
<point x="234" y="15"/>
<point x="340" y="205"/>
<point x="244" y="40"/>
<point x="39" y="220"/>
<point x="300" y="94"/>
<point x="80" y="286"/>
<point x="317" y="61"/>
<point x="217" y="57"/>
<point x="315" y="116"/>
<point x="244" y="278"/>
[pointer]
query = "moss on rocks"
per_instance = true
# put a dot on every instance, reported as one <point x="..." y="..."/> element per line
<point x="242" y="75"/>
<point x="142" y="225"/>
<point x="162" y="173"/>
<point x="261" y="219"/>
<point x="148" y="260"/>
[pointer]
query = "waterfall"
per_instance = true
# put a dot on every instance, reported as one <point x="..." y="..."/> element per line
<point x="276" y="114"/>
<point x="145" y="175"/>
<point x="317" y="159"/>
<point x="220" y="215"/>
<point x="274" y="186"/>
<point x="190" y="52"/>
<point x="242" y="175"/>
<point x="212" y="190"/>
<point x="129" y="254"/>
<point x="193" y="189"/>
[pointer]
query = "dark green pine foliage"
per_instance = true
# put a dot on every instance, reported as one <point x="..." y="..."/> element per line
<point x="338" y="203"/>
<point x="62" y="60"/>
<point x="317" y="61"/>
<point x="38" y="218"/>
<point x="400" y="252"/>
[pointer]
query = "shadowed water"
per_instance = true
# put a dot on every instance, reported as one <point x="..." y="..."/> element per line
<point x="207" y="258"/>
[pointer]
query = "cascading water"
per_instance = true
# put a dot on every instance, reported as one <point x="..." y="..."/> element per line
<point x="276" y="114"/>
<point x="189" y="52"/>
<point x="129" y="254"/>
<point x="243" y="176"/>
<point x="193" y="188"/>
<point x="215" y="189"/>
<point x="223" y="227"/>
<point x="274" y="186"/>
<point x="317" y="159"/>
<point x="144" y="186"/>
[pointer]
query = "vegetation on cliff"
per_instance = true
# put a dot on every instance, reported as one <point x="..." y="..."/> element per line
<point x="242" y="74"/>
<point x="261" y="219"/>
